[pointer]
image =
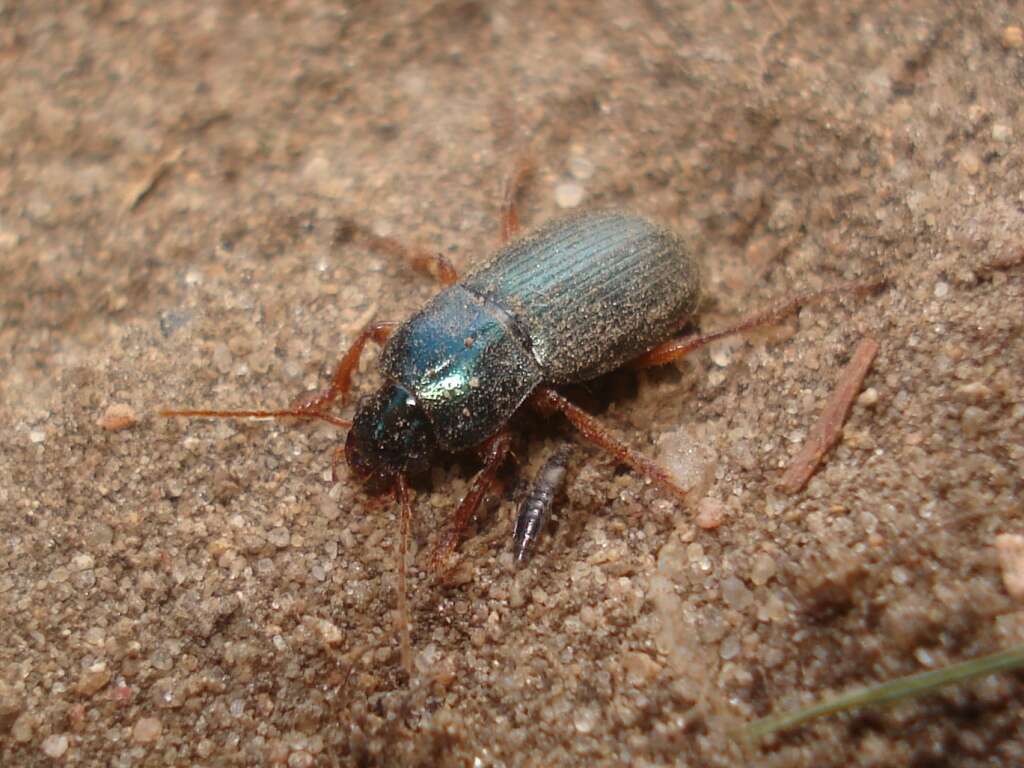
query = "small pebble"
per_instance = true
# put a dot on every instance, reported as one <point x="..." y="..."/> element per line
<point x="970" y="163"/>
<point x="639" y="667"/>
<point x="146" y="730"/>
<point x="329" y="632"/>
<point x="568" y="194"/>
<point x="868" y="397"/>
<point x="585" y="719"/>
<point x="93" y="679"/>
<point x="117" y="417"/>
<point x="710" y="513"/>
<point x="55" y="745"/>
<point x="736" y="594"/>
<point x="972" y="420"/>
<point x="941" y="290"/>
<point x="730" y="648"/>
<point x="1010" y="549"/>
<point x="975" y="391"/>
<point x="1001" y="132"/>
<point x="22" y="729"/>
<point x="763" y="570"/>
<point x="581" y="168"/>
<point x="1013" y="37"/>
<point x="280" y="537"/>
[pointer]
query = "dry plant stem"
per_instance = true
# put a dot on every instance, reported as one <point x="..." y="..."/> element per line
<point x="404" y="529"/>
<point x="829" y="427"/>
<point x="674" y="349"/>
<point x="153" y="177"/>
<point x="547" y="400"/>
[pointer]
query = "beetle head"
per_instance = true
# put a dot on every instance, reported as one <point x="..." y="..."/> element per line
<point x="390" y="436"/>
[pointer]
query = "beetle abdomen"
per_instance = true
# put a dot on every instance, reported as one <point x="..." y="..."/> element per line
<point x="592" y="291"/>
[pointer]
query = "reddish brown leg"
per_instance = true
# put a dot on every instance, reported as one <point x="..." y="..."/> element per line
<point x="434" y="264"/>
<point x="674" y="349"/>
<point x="296" y="413"/>
<point x="310" y="406"/>
<point x="404" y="529"/>
<point x="509" y="208"/>
<point x="548" y="400"/>
<point x="341" y="381"/>
<point x="494" y="452"/>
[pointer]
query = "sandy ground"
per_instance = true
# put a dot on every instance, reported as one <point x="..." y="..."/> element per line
<point x="173" y="188"/>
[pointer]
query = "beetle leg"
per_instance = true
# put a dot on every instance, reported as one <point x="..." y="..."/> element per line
<point x="494" y="452"/>
<point x="404" y="528"/>
<point x="285" y="413"/>
<point x="436" y="265"/>
<point x="547" y="400"/>
<point x="674" y="349"/>
<point x="341" y="381"/>
<point x="509" y="207"/>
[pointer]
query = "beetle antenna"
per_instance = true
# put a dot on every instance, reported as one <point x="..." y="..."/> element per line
<point x="287" y="413"/>
<point x="404" y="529"/>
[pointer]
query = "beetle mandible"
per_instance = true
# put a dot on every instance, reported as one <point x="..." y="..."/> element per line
<point x="579" y="297"/>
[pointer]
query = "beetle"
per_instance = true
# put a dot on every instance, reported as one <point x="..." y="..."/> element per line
<point x="579" y="297"/>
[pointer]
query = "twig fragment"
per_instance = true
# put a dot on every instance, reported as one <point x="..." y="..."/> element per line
<point x="157" y="171"/>
<point x="826" y="432"/>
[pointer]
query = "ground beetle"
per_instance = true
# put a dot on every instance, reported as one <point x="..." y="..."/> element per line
<point x="579" y="297"/>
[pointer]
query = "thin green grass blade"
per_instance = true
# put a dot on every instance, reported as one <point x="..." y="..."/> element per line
<point x="893" y="690"/>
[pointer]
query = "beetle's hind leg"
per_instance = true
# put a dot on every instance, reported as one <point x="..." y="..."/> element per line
<point x="548" y="400"/>
<point x="674" y="349"/>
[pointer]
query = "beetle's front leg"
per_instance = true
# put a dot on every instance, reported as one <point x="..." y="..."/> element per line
<point x="436" y="265"/>
<point x="341" y="382"/>
<point x="509" y="204"/>
<point x="494" y="453"/>
<point x="548" y="400"/>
